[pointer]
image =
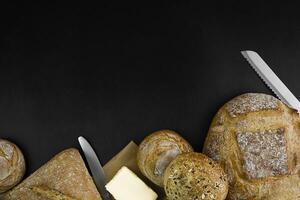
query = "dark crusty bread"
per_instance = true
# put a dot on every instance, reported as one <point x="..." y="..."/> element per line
<point x="157" y="150"/>
<point x="63" y="177"/>
<point x="12" y="165"/>
<point x="193" y="176"/>
<point x="256" y="138"/>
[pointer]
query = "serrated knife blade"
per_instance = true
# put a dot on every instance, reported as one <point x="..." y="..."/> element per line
<point x="95" y="167"/>
<point x="271" y="79"/>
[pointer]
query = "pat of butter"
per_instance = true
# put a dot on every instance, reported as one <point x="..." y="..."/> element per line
<point x="125" y="185"/>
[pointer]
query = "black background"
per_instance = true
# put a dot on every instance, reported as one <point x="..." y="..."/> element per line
<point x="116" y="72"/>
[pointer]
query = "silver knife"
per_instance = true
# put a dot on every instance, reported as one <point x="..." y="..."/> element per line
<point x="271" y="79"/>
<point x="95" y="167"/>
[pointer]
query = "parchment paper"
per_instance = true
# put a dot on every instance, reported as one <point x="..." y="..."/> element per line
<point x="127" y="157"/>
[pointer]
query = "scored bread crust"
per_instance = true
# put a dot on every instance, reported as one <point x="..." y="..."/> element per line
<point x="256" y="139"/>
<point x="63" y="177"/>
<point x="193" y="176"/>
<point x="12" y="164"/>
<point x="157" y="150"/>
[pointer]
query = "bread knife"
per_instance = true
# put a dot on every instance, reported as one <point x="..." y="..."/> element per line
<point x="271" y="79"/>
<point x="95" y="167"/>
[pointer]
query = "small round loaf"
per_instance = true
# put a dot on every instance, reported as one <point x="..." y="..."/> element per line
<point x="195" y="176"/>
<point x="157" y="150"/>
<point x="12" y="165"/>
<point x="256" y="139"/>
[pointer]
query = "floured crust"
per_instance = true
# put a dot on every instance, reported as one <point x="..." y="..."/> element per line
<point x="157" y="150"/>
<point x="264" y="153"/>
<point x="251" y="102"/>
<point x="65" y="175"/>
<point x="256" y="138"/>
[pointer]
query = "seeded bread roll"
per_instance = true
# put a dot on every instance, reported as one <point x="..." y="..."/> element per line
<point x="256" y="138"/>
<point x="157" y="150"/>
<point x="193" y="176"/>
<point x="12" y="165"/>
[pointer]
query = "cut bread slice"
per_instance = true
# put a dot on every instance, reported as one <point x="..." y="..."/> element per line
<point x="64" y="177"/>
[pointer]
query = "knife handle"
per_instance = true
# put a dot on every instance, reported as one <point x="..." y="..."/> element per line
<point x="106" y="195"/>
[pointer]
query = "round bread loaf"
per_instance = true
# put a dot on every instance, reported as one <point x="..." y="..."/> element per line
<point x="12" y="165"/>
<point x="157" y="150"/>
<point x="193" y="176"/>
<point x="256" y="138"/>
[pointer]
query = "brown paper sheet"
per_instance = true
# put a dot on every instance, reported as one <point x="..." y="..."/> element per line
<point x="127" y="157"/>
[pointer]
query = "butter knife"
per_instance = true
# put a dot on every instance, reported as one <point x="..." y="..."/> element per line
<point x="95" y="167"/>
<point x="271" y="79"/>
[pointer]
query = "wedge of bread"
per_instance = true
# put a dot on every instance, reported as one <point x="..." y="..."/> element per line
<point x="64" y="177"/>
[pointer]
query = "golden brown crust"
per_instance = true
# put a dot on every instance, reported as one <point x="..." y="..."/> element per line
<point x="258" y="146"/>
<point x="49" y="193"/>
<point x="12" y="165"/>
<point x="64" y="175"/>
<point x="157" y="150"/>
<point x="195" y="176"/>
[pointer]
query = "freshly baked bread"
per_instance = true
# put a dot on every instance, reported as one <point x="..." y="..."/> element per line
<point x="63" y="177"/>
<point x="50" y="193"/>
<point x="256" y="138"/>
<point x="12" y="165"/>
<point x="157" y="150"/>
<point x="193" y="176"/>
